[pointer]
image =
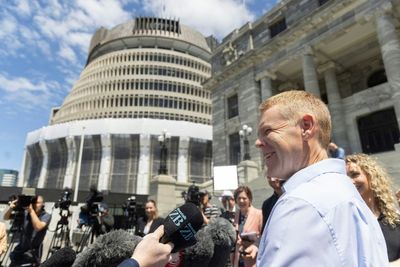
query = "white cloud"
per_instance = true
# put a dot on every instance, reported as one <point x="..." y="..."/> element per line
<point x="67" y="53"/>
<point x="106" y="13"/>
<point x="8" y="26"/>
<point x="28" y="94"/>
<point x="23" y="8"/>
<point x="216" y="17"/>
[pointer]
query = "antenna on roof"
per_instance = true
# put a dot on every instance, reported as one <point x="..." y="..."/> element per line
<point x="163" y="9"/>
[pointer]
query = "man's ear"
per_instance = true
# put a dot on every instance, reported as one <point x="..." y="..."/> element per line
<point x="307" y="126"/>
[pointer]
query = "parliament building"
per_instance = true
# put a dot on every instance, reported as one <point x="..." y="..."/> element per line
<point x="347" y="52"/>
<point x="142" y="78"/>
<point x="152" y="74"/>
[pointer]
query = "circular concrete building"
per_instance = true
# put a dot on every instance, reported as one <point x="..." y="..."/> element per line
<point x="142" y="77"/>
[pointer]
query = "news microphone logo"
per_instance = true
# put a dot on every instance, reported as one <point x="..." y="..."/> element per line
<point x="187" y="232"/>
<point x="181" y="225"/>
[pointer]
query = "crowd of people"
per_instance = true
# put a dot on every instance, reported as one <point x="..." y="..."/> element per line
<point x="327" y="209"/>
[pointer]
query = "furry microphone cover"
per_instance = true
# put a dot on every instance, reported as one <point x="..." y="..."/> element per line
<point x="108" y="250"/>
<point x="223" y="235"/>
<point x="214" y="244"/>
<point x="201" y="253"/>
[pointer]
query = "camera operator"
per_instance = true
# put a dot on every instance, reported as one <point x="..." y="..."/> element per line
<point x="36" y="221"/>
<point x="105" y="221"/>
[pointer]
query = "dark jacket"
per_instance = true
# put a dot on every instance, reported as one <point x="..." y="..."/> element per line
<point x="141" y="223"/>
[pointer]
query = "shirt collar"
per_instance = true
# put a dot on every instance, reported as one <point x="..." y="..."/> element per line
<point x="309" y="173"/>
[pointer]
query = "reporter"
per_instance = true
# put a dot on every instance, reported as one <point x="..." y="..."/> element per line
<point x="150" y="252"/>
<point x="149" y="223"/>
<point x="247" y="220"/>
<point x="35" y="223"/>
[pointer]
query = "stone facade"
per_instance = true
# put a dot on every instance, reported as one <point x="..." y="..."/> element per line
<point x="347" y="52"/>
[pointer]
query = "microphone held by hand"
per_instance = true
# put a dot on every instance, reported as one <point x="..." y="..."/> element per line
<point x="181" y="225"/>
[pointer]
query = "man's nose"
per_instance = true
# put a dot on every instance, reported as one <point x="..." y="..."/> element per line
<point x="259" y="143"/>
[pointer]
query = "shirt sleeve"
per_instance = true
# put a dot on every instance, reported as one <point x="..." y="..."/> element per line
<point x="129" y="263"/>
<point x="46" y="217"/>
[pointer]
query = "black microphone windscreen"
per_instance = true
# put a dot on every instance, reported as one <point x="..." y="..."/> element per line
<point x="223" y="234"/>
<point x="201" y="253"/>
<point x="108" y="250"/>
<point x="64" y="257"/>
<point x="181" y="225"/>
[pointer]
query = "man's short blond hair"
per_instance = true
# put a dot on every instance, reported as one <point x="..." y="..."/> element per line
<point x="292" y="104"/>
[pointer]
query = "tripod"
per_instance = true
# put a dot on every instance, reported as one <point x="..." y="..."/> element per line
<point x="15" y="233"/>
<point x="87" y="237"/>
<point x="61" y="234"/>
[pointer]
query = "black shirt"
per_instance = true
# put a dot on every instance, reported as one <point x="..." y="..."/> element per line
<point x="141" y="224"/>
<point x="267" y="206"/>
<point x="392" y="238"/>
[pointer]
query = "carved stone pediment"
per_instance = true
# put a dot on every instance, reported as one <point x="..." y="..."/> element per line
<point x="229" y="53"/>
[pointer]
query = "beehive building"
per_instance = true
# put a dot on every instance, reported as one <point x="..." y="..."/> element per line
<point x="141" y="77"/>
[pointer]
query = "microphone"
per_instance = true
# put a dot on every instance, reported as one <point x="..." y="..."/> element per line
<point x="214" y="244"/>
<point x="64" y="257"/>
<point x="223" y="234"/>
<point x="108" y="250"/>
<point x="181" y="225"/>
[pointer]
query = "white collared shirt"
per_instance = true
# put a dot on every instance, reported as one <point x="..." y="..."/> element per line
<point x="321" y="220"/>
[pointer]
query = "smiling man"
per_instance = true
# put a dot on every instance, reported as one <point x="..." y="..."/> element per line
<point x="320" y="220"/>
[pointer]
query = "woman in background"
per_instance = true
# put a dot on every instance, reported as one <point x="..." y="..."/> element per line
<point x="248" y="220"/>
<point x="149" y="223"/>
<point x="374" y="186"/>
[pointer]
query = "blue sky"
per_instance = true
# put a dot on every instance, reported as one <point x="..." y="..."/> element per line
<point x="44" y="44"/>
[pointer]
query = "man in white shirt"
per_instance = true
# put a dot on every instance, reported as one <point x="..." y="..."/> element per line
<point x="320" y="220"/>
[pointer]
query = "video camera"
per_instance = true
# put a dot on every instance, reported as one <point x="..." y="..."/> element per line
<point x="93" y="202"/>
<point x="65" y="199"/>
<point x="194" y="195"/>
<point x="23" y="201"/>
<point x="129" y="206"/>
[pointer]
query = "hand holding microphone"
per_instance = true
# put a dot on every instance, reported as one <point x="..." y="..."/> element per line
<point x="177" y="233"/>
<point x="150" y="252"/>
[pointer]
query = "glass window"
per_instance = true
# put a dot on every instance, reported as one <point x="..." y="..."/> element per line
<point x="233" y="106"/>
<point x="379" y="131"/>
<point x="234" y="148"/>
<point x="277" y="27"/>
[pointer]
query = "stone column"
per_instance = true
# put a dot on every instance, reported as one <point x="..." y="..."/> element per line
<point x="142" y="186"/>
<point x="43" y="171"/>
<point x="183" y="159"/>
<point x="162" y="190"/>
<point x="339" y="133"/>
<point x="105" y="164"/>
<point x="310" y="73"/>
<point x="265" y="79"/>
<point x="21" y="181"/>
<point x="71" y="164"/>
<point x="390" y="49"/>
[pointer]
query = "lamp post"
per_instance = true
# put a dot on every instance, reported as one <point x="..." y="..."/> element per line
<point x="244" y="133"/>
<point x="78" y="168"/>
<point x="163" y="140"/>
